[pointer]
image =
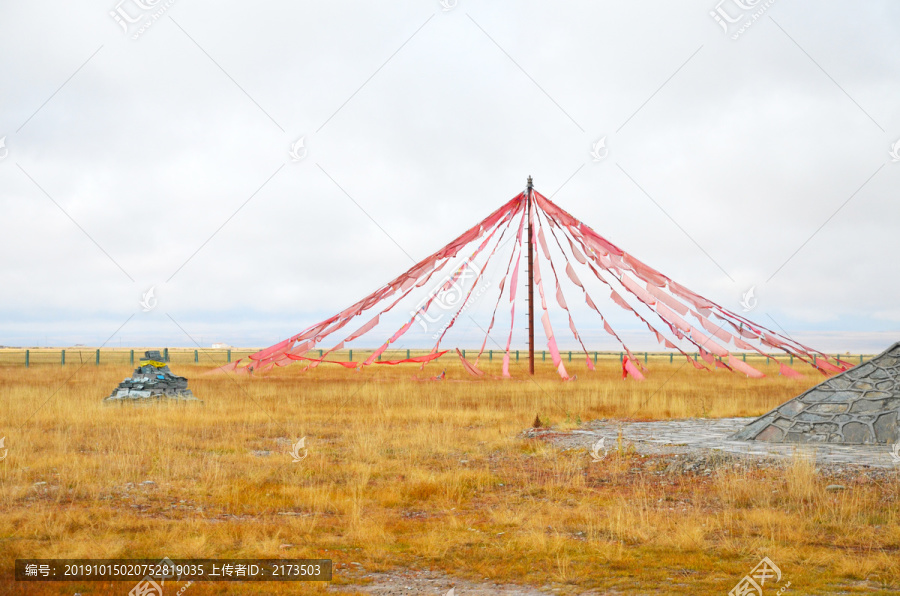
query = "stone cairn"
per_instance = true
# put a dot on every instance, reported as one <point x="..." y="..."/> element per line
<point x="858" y="406"/>
<point x="152" y="380"/>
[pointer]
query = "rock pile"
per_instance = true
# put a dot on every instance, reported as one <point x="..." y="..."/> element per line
<point x="858" y="406"/>
<point x="152" y="380"/>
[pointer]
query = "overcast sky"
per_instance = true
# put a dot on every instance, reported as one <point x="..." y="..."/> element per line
<point x="140" y="157"/>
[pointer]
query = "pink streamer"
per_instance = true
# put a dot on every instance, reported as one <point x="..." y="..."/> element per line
<point x="741" y="366"/>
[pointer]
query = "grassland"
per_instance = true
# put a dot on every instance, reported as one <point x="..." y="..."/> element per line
<point x="421" y="475"/>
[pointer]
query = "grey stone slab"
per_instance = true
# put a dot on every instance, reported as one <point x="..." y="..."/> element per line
<point x="783" y="423"/>
<point x="811" y="417"/>
<point x="866" y="406"/>
<point x="839" y="383"/>
<point x="791" y="408"/>
<point x="886" y="428"/>
<point x="856" y="432"/>
<point x="828" y="408"/>
<point x="771" y="434"/>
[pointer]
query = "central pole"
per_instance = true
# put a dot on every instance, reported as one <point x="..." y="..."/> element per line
<point x="530" y="199"/>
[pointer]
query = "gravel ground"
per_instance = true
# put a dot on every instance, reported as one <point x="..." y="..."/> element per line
<point x="427" y="583"/>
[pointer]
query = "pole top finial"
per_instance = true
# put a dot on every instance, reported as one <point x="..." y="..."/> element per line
<point x="530" y="185"/>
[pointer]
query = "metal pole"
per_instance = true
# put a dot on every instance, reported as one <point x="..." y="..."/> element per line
<point x="530" y="200"/>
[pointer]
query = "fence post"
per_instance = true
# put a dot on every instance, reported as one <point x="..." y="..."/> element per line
<point x="196" y="356"/>
<point x="570" y="355"/>
<point x="407" y="353"/>
<point x="792" y="358"/>
<point x="229" y="356"/>
<point x="744" y="356"/>
<point x="860" y="358"/>
<point x="621" y="356"/>
<point x="671" y="357"/>
<point x="62" y="358"/>
<point x="351" y="355"/>
<point x="814" y="358"/>
<point x="97" y="358"/>
<point x="463" y="353"/>
<point x="131" y="361"/>
<point x="645" y="357"/>
<point x="165" y="354"/>
<point x="517" y="355"/>
<point x="595" y="357"/>
<point x="321" y="354"/>
<point x="490" y="355"/>
<point x="27" y="357"/>
<point x="543" y="355"/>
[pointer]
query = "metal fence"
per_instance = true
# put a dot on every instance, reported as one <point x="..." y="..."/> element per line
<point x="216" y="357"/>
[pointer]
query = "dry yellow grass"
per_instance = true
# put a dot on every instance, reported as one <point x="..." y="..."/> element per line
<point x="404" y="474"/>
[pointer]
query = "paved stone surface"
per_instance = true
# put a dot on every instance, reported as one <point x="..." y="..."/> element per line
<point x="698" y="435"/>
<point x="857" y="406"/>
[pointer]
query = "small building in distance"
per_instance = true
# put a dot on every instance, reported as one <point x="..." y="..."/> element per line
<point x="220" y="346"/>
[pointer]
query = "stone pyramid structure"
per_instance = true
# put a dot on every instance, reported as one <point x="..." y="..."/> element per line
<point x="858" y="406"/>
<point x="152" y="380"/>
